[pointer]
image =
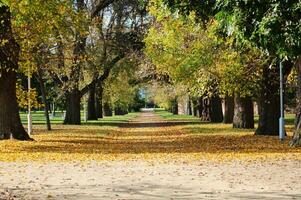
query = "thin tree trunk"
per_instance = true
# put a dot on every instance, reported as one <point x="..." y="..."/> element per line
<point x="10" y="122"/>
<point x="296" y="141"/>
<point x="189" y="106"/>
<point x="206" y="110"/>
<point x="44" y="97"/>
<point x="216" y="110"/>
<point x="243" y="112"/>
<point x="73" y="107"/>
<point x="194" y="104"/>
<point x="99" y="93"/>
<point x="92" y="104"/>
<point x="199" y="107"/>
<point x="229" y="109"/>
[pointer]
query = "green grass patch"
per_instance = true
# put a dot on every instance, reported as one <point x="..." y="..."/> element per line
<point x="169" y="116"/>
<point x="38" y="118"/>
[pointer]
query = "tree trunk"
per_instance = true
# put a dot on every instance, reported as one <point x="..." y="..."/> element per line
<point x="205" y="110"/>
<point x="189" y="106"/>
<point x="269" y="103"/>
<point x="10" y="122"/>
<point x="174" y="107"/>
<point x="73" y="96"/>
<point x="98" y="106"/>
<point x="199" y="107"/>
<point x="229" y="109"/>
<point x="194" y="104"/>
<point x="73" y="107"/>
<point x="243" y="112"/>
<point x="92" y="115"/>
<point x="296" y="141"/>
<point x="216" y="110"/>
<point x="107" y="111"/>
<point x="44" y="97"/>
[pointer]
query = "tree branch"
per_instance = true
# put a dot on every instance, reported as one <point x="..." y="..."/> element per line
<point x="103" y="77"/>
<point x="100" y="5"/>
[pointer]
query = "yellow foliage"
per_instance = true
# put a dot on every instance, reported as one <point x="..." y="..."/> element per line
<point x="196" y="142"/>
<point x="22" y="97"/>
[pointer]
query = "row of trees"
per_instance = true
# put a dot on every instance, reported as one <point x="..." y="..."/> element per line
<point x="81" y="49"/>
<point x="210" y="50"/>
<point x="230" y="50"/>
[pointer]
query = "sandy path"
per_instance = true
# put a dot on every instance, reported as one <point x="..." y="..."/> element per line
<point x="141" y="180"/>
<point x="151" y="180"/>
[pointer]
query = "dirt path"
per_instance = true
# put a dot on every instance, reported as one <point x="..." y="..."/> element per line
<point x="138" y="179"/>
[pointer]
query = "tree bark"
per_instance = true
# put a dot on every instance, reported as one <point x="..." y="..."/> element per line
<point x="44" y="97"/>
<point x="92" y="115"/>
<point x="190" y="105"/>
<point x="199" y="110"/>
<point x="216" y="110"/>
<point x="98" y="106"/>
<point x="10" y="122"/>
<point x="243" y="112"/>
<point x="73" y="107"/>
<point x="73" y="95"/>
<point x="296" y="141"/>
<point x="229" y="109"/>
<point x="269" y="103"/>
<point x="194" y="104"/>
<point x="205" y="110"/>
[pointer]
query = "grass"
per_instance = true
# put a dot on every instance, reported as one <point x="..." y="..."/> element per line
<point x="289" y="118"/>
<point x="189" y="142"/>
<point x="38" y="118"/>
<point x="172" y="117"/>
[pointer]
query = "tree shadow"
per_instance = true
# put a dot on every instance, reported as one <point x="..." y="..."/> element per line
<point x="165" y="144"/>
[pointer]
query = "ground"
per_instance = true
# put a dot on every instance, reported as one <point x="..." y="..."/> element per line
<point x="149" y="156"/>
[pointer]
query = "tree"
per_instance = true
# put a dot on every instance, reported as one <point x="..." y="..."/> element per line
<point x="273" y="28"/>
<point x="10" y="123"/>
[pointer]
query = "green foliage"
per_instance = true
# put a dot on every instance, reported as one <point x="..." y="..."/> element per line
<point x="273" y="26"/>
<point x="198" y="56"/>
<point x="118" y="90"/>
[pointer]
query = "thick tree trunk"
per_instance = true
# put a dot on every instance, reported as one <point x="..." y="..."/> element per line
<point x="269" y="103"/>
<point x="243" y="112"/>
<point x="229" y="109"/>
<point x="44" y="97"/>
<point x="216" y="110"/>
<point x="107" y="111"/>
<point x="73" y="107"/>
<point x="174" y="107"/>
<point x="98" y="106"/>
<point x="296" y="141"/>
<point x="73" y="96"/>
<point x="92" y="115"/>
<point x="10" y="122"/>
